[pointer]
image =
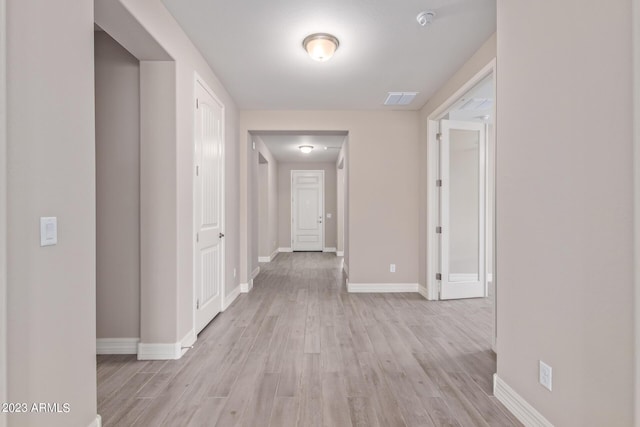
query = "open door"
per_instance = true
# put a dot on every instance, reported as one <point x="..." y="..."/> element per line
<point x="462" y="209"/>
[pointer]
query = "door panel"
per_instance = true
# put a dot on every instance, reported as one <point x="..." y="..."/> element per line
<point x="208" y="208"/>
<point x="462" y="167"/>
<point x="307" y="205"/>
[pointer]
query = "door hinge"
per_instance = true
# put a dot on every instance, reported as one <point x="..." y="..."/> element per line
<point x="197" y="237"/>
<point x="439" y="230"/>
<point x="197" y="103"/>
<point x="438" y="136"/>
<point x="197" y="170"/>
<point x="438" y="276"/>
<point x="198" y="304"/>
<point x="439" y="183"/>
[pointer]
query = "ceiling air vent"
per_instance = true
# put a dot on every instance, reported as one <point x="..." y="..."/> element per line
<point x="400" y="98"/>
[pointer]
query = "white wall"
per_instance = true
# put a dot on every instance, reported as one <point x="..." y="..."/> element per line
<point x="117" y="82"/>
<point x="565" y="208"/>
<point x="175" y="265"/>
<point x="51" y="152"/>
<point x="330" y="201"/>
<point x="382" y="185"/>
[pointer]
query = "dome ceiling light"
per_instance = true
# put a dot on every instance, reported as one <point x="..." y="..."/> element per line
<point x="320" y="46"/>
<point x="306" y="149"/>
<point x="425" y="18"/>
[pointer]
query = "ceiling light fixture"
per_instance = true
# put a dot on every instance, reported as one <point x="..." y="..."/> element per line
<point x="425" y="18"/>
<point x="320" y="46"/>
<point x="306" y="149"/>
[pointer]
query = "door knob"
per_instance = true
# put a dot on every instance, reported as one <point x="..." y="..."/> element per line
<point x="221" y="235"/>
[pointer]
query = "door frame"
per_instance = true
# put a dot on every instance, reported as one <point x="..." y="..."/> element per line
<point x="432" y="190"/>
<point x="636" y="169"/>
<point x="200" y="81"/>
<point x="323" y="201"/>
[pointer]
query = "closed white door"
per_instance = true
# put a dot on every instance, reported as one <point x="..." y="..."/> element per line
<point x="208" y="207"/>
<point x="462" y="215"/>
<point x="307" y="206"/>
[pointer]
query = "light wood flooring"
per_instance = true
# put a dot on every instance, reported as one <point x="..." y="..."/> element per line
<point x="298" y="350"/>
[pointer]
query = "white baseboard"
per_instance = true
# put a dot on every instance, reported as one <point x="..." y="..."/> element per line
<point x="229" y="299"/>
<point x="285" y="250"/>
<point x="423" y="291"/>
<point x="274" y="254"/>
<point x="345" y="267"/>
<point x="189" y="340"/>
<point x="329" y="250"/>
<point x="153" y="351"/>
<point x="264" y="259"/>
<point x="246" y="287"/>
<point x="97" y="422"/>
<point x="382" y="287"/>
<point x="117" y="345"/>
<point x="519" y="407"/>
<point x="255" y="272"/>
<point x="339" y="253"/>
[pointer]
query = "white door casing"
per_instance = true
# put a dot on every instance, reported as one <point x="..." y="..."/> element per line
<point x="208" y="206"/>
<point x="307" y="207"/>
<point x="463" y="207"/>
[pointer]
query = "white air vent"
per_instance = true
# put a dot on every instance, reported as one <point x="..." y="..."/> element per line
<point x="400" y="98"/>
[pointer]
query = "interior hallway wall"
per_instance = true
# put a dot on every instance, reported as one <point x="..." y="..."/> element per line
<point x="382" y="185"/>
<point x="271" y="187"/>
<point x="117" y="82"/>
<point x="330" y="201"/>
<point x="565" y="208"/>
<point x="51" y="315"/>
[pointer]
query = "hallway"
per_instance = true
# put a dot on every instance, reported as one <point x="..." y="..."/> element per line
<point x="299" y="350"/>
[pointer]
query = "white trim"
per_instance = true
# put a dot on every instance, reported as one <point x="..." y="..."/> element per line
<point x="423" y="291"/>
<point x="200" y="81"/>
<point x="636" y="191"/>
<point x="381" y="287"/>
<point x="97" y="422"/>
<point x="3" y="207"/>
<point x="155" y="351"/>
<point x="324" y="220"/>
<point x="345" y="267"/>
<point x="461" y="277"/>
<point x="189" y="340"/>
<point x="519" y="407"/>
<point x="246" y="287"/>
<point x="339" y="253"/>
<point x="255" y="273"/>
<point x="264" y="259"/>
<point x="117" y="345"/>
<point x="226" y="303"/>
<point x="285" y="250"/>
<point x="274" y="254"/>
<point x="329" y="250"/>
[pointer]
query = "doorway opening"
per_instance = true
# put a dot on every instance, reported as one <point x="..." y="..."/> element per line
<point x="461" y="201"/>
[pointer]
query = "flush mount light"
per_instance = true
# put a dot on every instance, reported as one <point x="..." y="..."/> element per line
<point x="320" y="46"/>
<point x="306" y="149"/>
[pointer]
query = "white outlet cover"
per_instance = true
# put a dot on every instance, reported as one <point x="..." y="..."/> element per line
<point x="546" y="375"/>
<point x="392" y="268"/>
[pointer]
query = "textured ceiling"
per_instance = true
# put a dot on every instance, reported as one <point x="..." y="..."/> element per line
<point x="254" y="46"/>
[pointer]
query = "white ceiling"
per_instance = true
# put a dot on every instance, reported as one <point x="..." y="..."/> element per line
<point x="255" y="48"/>
<point x="284" y="146"/>
<point x="477" y="104"/>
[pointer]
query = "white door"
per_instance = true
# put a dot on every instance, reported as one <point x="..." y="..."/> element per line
<point x="307" y="206"/>
<point x="208" y="207"/>
<point x="462" y="209"/>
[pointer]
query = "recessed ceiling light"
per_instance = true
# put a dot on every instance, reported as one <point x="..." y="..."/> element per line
<point x="306" y="149"/>
<point x="320" y="46"/>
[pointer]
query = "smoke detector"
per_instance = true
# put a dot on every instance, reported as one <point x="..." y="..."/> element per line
<point x="425" y="18"/>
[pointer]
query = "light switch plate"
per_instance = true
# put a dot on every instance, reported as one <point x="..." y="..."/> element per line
<point x="48" y="231"/>
<point x="546" y="376"/>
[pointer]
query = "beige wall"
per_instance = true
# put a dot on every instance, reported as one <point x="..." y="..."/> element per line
<point x="343" y="193"/>
<point x="269" y="223"/>
<point x="3" y="213"/>
<point x="51" y="152"/>
<point x="636" y="115"/>
<point x="117" y="82"/>
<point x="382" y="185"/>
<point x="564" y="208"/>
<point x="475" y="64"/>
<point x="175" y="267"/>
<point x="284" y="202"/>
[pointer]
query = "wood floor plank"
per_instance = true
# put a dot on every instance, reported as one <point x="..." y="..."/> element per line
<point x="299" y="350"/>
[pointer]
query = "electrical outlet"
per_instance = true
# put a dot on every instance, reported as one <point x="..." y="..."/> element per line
<point x="392" y="268"/>
<point x="546" y="375"/>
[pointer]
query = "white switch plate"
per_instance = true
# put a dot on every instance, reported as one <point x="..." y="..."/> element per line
<point x="48" y="231"/>
<point x="546" y="375"/>
<point x="392" y="268"/>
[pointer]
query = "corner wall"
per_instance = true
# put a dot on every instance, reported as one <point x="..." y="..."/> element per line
<point x="51" y="169"/>
<point x="565" y="208"/>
